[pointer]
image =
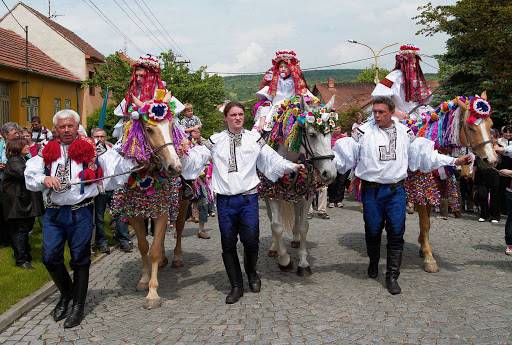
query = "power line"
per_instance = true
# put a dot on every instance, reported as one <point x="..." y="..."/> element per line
<point x="134" y="22"/>
<point x="111" y="24"/>
<point x="305" y="69"/>
<point x="13" y="15"/>
<point x="156" y="19"/>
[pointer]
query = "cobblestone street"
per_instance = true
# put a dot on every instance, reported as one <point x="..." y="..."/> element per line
<point x="467" y="302"/>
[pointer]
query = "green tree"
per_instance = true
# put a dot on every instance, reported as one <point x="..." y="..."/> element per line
<point x="115" y="74"/>
<point x="368" y="75"/>
<point x="478" y="49"/>
<point x="110" y="121"/>
<point x="347" y="118"/>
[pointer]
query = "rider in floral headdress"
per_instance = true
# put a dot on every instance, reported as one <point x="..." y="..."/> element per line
<point x="406" y="84"/>
<point x="143" y="84"/>
<point x="283" y="81"/>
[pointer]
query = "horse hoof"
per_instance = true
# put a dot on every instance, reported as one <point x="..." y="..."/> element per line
<point x="162" y="264"/>
<point x="430" y="267"/>
<point x="152" y="303"/>
<point x="287" y="268"/>
<point x="295" y="244"/>
<point x="142" y="286"/>
<point x="177" y="264"/>
<point x="272" y="253"/>
<point x="304" y="271"/>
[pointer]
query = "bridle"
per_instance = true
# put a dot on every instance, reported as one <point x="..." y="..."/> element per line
<point x="310" y="157"/>
<point x="473" y="148"/>
<point x="153" y="156"/>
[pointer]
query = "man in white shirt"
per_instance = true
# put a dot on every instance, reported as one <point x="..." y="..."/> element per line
<point x="385" y="148"/>
<point x="71" y="158"/>
<point x="236" y="153"/>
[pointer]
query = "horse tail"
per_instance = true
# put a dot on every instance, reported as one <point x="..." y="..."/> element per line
<point x="288" y="216"/>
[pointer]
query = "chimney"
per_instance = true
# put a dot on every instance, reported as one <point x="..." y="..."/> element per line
<point x="330" y="83"/>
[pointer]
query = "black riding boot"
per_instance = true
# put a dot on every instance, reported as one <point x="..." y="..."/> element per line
<point x="250" y="260"/>
<point x="80" y="286"/>
<point x="394" y="261"/>
<point x="234" y="272"/>
<point x="374" y="255"/>
<point x="62" y="280"/>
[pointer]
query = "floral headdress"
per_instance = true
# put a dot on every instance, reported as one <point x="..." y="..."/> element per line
<point x="289" y="119"/>
<point x="296" y="73"/>
<point x="152" y="80"/>
<point x="479" y="109"/>
<point x="135" y="144"/>
<point x="415" y="85"/>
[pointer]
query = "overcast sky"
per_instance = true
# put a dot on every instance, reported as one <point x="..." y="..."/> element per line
<point x="243" y="35"/>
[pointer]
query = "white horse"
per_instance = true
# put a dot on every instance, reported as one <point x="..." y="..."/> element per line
<point x="316" y="147"/>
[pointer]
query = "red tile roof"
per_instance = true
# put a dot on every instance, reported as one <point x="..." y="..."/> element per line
<point x="85" y="47"/>
<point x="347" y="94"/>
<point x="12" y="54"/>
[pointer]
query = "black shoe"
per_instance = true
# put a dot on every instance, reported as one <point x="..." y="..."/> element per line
<point x="232" y="265"/>
<point x="188" y="193"/>
<point x="80" y="286"/>
<point x="104" y="249"/>
<point x="125" y="247"/>
<point x="26" y="266"/>
<point x="374" y="255"/>
<point x="62" y="280"/>
<point x="250" y="261"/>
<point x="394" y="261"/>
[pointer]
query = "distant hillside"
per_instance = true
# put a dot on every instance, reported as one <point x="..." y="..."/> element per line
<point x="243" y="87"/>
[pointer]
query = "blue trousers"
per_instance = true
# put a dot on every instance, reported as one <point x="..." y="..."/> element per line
<point x="384" y="207"/>
<point x="100" y="204"/>
<point x="239" y="215"/>
<point x="75" y="227"/>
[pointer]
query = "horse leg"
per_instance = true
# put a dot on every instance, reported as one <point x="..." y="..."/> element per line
<point x="140" y="230"/>
<point x="272" y="252"/>
<point x="177" y="262"/>
<point x="429" y="263"/>
<point x="296" y="227"/>
<point x="284" y="261"/>
<point x="301" y="213"/>
<point x="155" y="254"/>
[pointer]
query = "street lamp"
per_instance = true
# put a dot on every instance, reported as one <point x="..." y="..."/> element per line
<point x="375" y="56"/>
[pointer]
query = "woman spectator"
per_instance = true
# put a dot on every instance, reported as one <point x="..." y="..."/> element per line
<point x="504" y="162"/>
<point x="26" y="133"/>
<point x="9" y="131"/>
<point x="20" y="206"/>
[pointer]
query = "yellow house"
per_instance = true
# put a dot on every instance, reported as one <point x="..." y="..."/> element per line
<point x="62" y="46"/>
<point x="41" y="90"/>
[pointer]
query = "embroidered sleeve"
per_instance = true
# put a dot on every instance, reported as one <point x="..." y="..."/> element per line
<point x="386" y="82"/>
<point x="357" y="135"/>
<point x="209" y="144"/>
<point x="261" y="142"/>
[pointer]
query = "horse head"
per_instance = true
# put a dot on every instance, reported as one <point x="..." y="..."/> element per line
<point x="159" y="135"/>
<point x="316" y="144"/>
<point x="476" y="134"/>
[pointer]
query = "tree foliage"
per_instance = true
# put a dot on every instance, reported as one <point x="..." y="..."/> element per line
<point x="347" y="118"/>
<point x="110" y="121"/>
<point x="368" y="75"/>
<point x="478" y="49"/>
<point x="198" y="88"/>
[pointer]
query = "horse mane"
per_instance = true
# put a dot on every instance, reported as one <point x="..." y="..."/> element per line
<point x="442" y="126"/>
<point x="286" y="129"/>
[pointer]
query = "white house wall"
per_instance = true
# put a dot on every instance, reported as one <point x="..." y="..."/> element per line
<point x="47" y="40"/>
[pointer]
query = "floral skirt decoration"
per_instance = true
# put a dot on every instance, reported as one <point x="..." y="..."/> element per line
<point x="424" y="189"/>
<point x="278" y="190"/>
<point x="130" y="201"/>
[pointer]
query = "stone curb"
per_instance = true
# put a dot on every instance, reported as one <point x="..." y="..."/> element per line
<point x="26" y="304"/>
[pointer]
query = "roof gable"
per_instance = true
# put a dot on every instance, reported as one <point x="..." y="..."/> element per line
<point x="12" y="54"/>
<point x="85" y="47"/>
<point x="347" y="94"/>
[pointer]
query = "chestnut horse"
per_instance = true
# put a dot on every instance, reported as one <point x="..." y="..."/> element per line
<point x="478" y="138"/>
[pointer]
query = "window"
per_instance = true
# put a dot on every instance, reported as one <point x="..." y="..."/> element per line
<point x="91" y="88"/>
<point x="67" y="104"/>
<point x="32" y="107"/>
<point x="56" y="105"/>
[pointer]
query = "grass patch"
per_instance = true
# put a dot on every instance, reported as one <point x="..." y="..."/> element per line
<point x="17" y="283"/>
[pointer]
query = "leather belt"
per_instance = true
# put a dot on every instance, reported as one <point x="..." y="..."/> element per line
<point x="368" y="184"/>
